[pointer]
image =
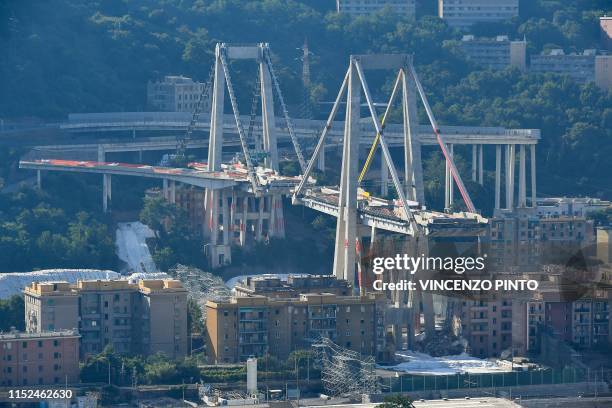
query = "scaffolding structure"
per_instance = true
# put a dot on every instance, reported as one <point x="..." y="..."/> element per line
<point x="345" y="372"/>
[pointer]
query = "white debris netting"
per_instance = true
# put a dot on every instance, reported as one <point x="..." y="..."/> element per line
<point x="14" y="283"/>
<point x="424" y="364"/>
<point x="132" y="248"/>
<point x="202" y="286"/>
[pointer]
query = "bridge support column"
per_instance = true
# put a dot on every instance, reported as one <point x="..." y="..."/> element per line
<point x="218" y="253"/>
<point x="106" y="192"/>
<point x="510" y="157"/>
<point x="522" y="178"/>
<point x="533" y="176"/>
<point x="481" y="164"/>
<point x="384" y="176"/>
<point x="38" y="179"/>
<point x="172" y="191"/>
<point x="449" y="191"/>
<point x="497" y="177"/>
<point x="474" y="162"/>
<point x="346" y="231"/>
<point x="321" y="160"/>
<point x="267" y="117"/>
<point x="259" y="231"/>
<point x="165" y="190"/>
<point x="413" y="166"/>
<point x="277" y="218"/>
<point x="101" y="154"/>
<point x="243" y="221"/>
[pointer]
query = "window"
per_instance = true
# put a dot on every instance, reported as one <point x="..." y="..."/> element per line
<point x="56" y="342"/>
<point x="24" y="344"/>
<point x="40" y="343"/>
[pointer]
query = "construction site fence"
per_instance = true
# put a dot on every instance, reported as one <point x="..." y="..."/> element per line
<point x="414" y="383"/>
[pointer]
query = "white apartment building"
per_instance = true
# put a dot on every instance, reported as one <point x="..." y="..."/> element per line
<point x="464" y="13"/>
<point x="174" y="94"/>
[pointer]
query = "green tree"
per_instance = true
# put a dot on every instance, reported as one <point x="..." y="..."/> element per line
<point x="12" y="311"/>
<point x="396" y="401"/>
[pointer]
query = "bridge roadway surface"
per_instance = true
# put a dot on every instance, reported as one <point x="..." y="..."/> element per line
<point x="374" y="212"/>
<point x="308" y="131"/>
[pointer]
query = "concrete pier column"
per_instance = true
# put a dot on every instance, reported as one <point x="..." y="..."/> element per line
<point x="384" y="176"/>
<point x="413" y="166"/>
<point x="259" y="231"/>
<point x="346" y="229"/>
<point x="522" y="178"/>
<point x="321" y="160"/>
<point x="510" y="157"/>
<point x="277" y="221"/>
<point x="140" y="156"/>
<point x="267" y="117"/>
<point x="497" y="177"/>
<point x="450" y="186"/>
<point x="165" y="191"/>
<point x="533" y="176"/>
<point x="372" y="238"/>
<point x="243" y="221"/>
<point x="481" y="164"/>
<point x="106" y="192"/>
<point x="38" y="180"/>
<point x="101" y="154"/>
<point x="474" y="161"/>
<point x="172" y="191"/>
<point x="225" y="214"/>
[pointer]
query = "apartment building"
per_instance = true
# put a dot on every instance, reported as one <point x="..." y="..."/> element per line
<point x="175" y="93"/>
<point x="603" y="72"/>
<point x="495" y="53"/>
<point x="486" y="325"/>
<point x="145" y="317"/>
<point x="564" y="313"/>
<point x="569" y="206"/>
<point x="605" y="26"/>
<point x="522" y="241"/>
<point x="579" y="67"/>
<point x="364" y="7"/>
<point x="274" y="287"/>
<point x="464" y="13"/>
<point x="256" y="325"/>
<point x="28" y="359"/>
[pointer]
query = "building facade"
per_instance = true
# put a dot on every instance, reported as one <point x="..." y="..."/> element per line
<point x="256" y="325"/>
<point x="495" y="53"/>
<point x="579" y="67"/>
<point x="522" y="241"/>
<point x="28" y="359"/>
<point x="464" y="13"/>
<point x="274" y="287"/>
<point x="487" y="325"/>
<point x="142" y="318"/>
<point x="364" y="7"/>
<point x="605" y="25"/>
<point x="568" y="206"/>
<point x="175" y="93"/>
<point x="603" y="72"/>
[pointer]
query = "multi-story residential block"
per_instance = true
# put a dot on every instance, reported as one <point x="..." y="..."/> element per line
<point x="294" y="286"/>
<point x="143" y="318"/>
<point x="362" y="7"/>
<point x="487" y="325"/>
<point x="562" y="312"/>
<point x="464" y="13"/>
<point x="175" y="94"/>
<point x="495" y="53"/>
<point x="605" y="25"/>
<point x="603" y="72"/>
<point x="46" y="358"/>
<point x="522" y="241"/>
<point x="569" y="206"/>
<point x="257" y="325"/>
<point x="579" y="67"/>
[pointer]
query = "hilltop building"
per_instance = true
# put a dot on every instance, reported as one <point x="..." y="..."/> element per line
<point x="495" y="53"/>
<point x="275" y="287"/>
<point x="144" y="318"/>
<point x="175" y="93"/>
<point x="364" y="7"/>
<point x="465" y="13"/>
<point x="30" y="359"/>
